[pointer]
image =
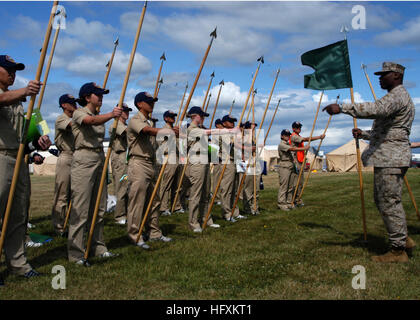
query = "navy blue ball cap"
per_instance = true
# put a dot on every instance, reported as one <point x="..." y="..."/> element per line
<point x="8" y="62"/>
<point x="126" y="108"/>
<point x="218" y="121"/>
<point x="285" y="132"/>
<point x="197" y="110"/>
<point x="67" y="98"/>
<point x="144" y="97"/>
<point x="169" y="114"/>
<point x="229" y="119"/>
<point x="91" y="87"/>
<point x="248" y="124"/>
<point x="296" y="124"/>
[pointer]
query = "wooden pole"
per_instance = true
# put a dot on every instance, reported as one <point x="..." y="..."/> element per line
<point x="207" y="92"/>
<point x="208" y="102"/>
<point x="252" y="104"/>
<point x="25" y="130"/>
<point x="359" y="170"/>
<point x="222" y="83"/>
<point x="114" y="127"/>
<point x="162" y="58"/>
<point x="160" y="84"/>
<point x="255" y="161"/>
<point x="231" y="107"/>
<point x="241" y="184"/>
<point x="180" y="106"/>
<point x="261" y="61"/>
<point x="47" y="69"/>
<point x="410" y="192"/>
<point x="302" y="168"/>
<point x="149" y="206"/>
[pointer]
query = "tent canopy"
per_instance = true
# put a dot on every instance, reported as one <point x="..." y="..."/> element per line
<point x="344" y="158"/>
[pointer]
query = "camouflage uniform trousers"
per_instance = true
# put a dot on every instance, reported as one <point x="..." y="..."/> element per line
<point x="388" y="184"/>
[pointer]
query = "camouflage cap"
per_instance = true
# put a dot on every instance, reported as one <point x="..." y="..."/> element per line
<point x="390" y="66"/>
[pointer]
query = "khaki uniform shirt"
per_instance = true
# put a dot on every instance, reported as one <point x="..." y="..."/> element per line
<point x="285" y="155"/>
<point x="389" y="136"/>
<point x="64" y="139"/>
<point x="11" y="124"/>
<point x="120" y="143"/>
<point x="296" y="141"/>
<point x="140" y="144"/>
<point x="86" y="136"/>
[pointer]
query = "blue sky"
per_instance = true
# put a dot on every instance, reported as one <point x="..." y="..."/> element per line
<point x="281" y="31"/>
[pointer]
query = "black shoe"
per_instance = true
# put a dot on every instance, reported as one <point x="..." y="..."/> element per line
<point x="31" y="273"/>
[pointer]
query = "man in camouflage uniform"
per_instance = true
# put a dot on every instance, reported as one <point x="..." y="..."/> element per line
<point x="64" y="141"/>
<point x="119" y="166"/>
<point x="388" y="152"/>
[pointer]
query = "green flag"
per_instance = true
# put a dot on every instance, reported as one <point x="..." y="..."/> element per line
<point x="332" y="67"/>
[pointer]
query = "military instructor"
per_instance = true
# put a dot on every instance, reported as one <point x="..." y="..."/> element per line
<point x="388" y="152"/>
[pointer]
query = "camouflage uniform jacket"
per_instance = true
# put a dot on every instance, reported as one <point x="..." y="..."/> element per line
<point x="389" y="136"/>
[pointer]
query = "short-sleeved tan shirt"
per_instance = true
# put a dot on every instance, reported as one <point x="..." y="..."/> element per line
<point x="120" y="143"/>
<point x="64" y="139"/>
<point x="285" y="155"/>
<point x="86" y="136"/>
<point x="140" y="144"/>
<point x="12" y="119"/>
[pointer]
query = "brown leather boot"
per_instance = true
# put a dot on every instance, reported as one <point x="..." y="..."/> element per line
<point x="409" y="246"/>
<point x="394" y="255"/>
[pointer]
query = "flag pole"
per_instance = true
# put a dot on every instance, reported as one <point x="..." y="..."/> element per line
<point x="302" y="168"/>
<point x="231" y="107"/>
<point x="208" y="102"/>
<point x="22" y="144"/>
<point x="410" y="192"/>
<point x="213" y="36"/>
<point x="222" y="83"/>
<point x="180" y="106"/>
<point x="162" y="58"/>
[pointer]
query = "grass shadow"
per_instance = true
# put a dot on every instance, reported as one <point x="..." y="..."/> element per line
<point x="374" y="244"/>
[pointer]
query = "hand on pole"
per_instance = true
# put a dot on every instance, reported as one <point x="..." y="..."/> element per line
<point x="357" y="133"/>
<point x="332" y="109"/>
<point x="33" y="87"/>
<point x="44" y="142"/>
<point x="116" y="112"/>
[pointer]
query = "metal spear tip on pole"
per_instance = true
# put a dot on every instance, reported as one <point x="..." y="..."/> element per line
<point x="255" y="91"/>
<point x="222" y="83"/>
<point x="214" y="34"/>
<point x="163" y="57"/>
<point x="212" y="75"/>
<point x="261" y="59"/>
<point x="161" y="80"/>
<point x="117" y="41"/>
<point x="363" y="66"/>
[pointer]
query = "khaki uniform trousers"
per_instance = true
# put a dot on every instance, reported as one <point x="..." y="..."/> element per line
<point x="295" y="176"/>
<point x="285" y="194"/>
<point x="227" y="191"/>
<point x="62" y="193"/>
<point x="199" y="178"/>
<point x="86" y="171"/>
<point x="248" y="193"/>
<point x="168" y="187"/>
<point x="119" y="168"/>
<point x="215" y="175"/>
<point x="388" y="183"/>
<point x="142" y="177"/>
<point x="14" y="242"/>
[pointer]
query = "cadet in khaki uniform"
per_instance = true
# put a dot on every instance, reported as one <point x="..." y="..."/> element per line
<point x="119" y="166"/>
<point x="86" y="169"/>
<point x="169" y="183"/>
<point x="297" y="141"/>
<point x="286" y="169"/>
<point x="228" y="184"/>
<point x="217" y="167"/>
<point x="143" y="171"/>
<point x="11" y="125"/>
<point x="64" y="141"/>
<point x="248" y="188"/>
<point x="388" y="152"/>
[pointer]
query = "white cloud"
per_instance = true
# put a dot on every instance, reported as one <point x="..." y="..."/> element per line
<point x="408" y="35"/>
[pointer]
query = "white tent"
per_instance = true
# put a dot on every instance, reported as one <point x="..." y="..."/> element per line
<point x="343" y="159"/>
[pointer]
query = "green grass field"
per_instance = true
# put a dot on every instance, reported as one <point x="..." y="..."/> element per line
<point x="307" y="253"/>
